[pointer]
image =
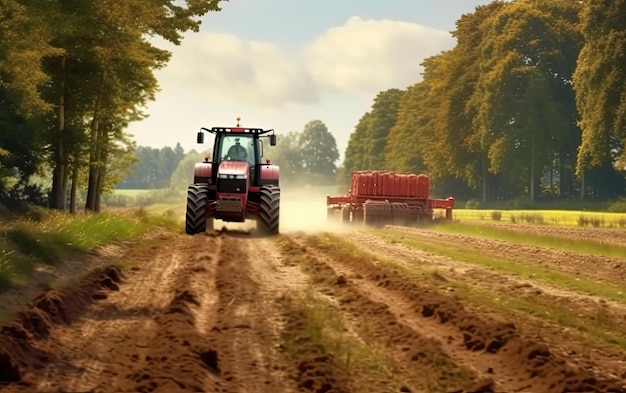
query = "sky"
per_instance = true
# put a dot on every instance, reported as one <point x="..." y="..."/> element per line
<point x="279" y="64"/>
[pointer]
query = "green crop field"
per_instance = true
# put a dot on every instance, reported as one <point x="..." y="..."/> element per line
<point x="552" y="217"/>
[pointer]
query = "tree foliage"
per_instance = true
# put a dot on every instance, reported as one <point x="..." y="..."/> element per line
<point x="599" y="82"/>
<point x="306" y="157"/>
<point x="367" y="144"/>
<point x="73" y="75"/>
<point x="153" y="168"/>
<point x="496" y="116"/>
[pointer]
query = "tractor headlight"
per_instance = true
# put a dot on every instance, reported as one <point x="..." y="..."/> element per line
<point x="223" y="176"/>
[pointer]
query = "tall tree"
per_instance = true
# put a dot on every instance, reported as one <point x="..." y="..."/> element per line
<point x="599" y="83"/>
<point x="382" y="119"/>
<point x="109" y="39"/>
<point x="403" y="148"/>
<point x="25" y="36"/>
<point x="355" y="155"/>
<point x="287" y="154"/>
<point x="319" y="152"/>
<point x="522" y="51"/>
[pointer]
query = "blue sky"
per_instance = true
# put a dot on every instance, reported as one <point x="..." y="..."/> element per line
<point x="282" y="63"/>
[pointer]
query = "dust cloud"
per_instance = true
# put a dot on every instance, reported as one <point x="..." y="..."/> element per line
<point x="304" y="209"/>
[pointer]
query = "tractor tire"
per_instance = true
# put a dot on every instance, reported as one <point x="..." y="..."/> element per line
<point x="196" y="218"/>
<point x="269" y="213"/>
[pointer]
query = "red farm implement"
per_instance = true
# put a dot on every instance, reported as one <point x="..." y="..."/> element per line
<point x="377" y="198"/>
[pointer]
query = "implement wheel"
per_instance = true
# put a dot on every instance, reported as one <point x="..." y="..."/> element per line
<point x="345" y="215"/>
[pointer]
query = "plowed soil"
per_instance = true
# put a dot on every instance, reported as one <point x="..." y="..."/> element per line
<point x="348" y="311"/>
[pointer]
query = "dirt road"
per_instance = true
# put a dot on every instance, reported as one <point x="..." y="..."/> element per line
<point x="230" y="312"/>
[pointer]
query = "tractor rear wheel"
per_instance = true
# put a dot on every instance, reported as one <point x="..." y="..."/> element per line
<point x="269" y="212"/>
<point x="196" y="219"/>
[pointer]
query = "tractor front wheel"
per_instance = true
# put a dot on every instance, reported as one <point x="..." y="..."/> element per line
<point x="196" y="219"/>
<point x="269" y="209"/>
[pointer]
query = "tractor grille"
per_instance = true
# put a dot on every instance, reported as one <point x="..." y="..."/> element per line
<point x="231" y="185"/>
<point x="230" y="204"/>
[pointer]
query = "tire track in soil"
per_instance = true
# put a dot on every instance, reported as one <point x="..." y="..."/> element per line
<point x="419" y="362"/>
<point x="244" y="334"/>
<point x="253" y="320"/>
<point x="194" y="314"/>
<point x="140" y="338"/>
<point x="187" y="317"/>
<point x="494" y="348"/>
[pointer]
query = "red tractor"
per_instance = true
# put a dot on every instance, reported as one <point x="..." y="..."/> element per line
<point x="235" y="184"/>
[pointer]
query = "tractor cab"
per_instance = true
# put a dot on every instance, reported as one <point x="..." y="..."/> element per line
<point x="239" y="144"/>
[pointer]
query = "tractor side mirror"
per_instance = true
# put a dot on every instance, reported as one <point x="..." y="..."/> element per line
<point x="200" y="137"/>
<point x="273" y="140"/>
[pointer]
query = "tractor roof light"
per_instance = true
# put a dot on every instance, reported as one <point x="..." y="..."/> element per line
<point x="267" y="161"/>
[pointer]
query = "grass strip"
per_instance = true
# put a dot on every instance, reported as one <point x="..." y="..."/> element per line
<point x="555" y="278"/>
<point x="518" y="237"/>
<point x="57" y="235"/>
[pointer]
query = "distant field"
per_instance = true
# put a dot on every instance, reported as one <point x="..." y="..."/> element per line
<point x="130" y="192"/>
<point x="553" y="217"/>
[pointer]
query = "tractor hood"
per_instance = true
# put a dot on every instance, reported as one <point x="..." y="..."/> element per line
<point x="239" y="168"/>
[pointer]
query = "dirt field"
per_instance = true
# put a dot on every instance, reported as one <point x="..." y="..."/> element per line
<point x="345" y="311"/>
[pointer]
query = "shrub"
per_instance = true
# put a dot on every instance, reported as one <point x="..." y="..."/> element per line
<point x="618" y="206"/>
<point x="473" y="203"/>
<point x="496" y="215"/>
<point x="532" y="218"/>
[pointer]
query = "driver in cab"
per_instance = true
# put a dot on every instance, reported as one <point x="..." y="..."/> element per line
<point x="237" y="152"/>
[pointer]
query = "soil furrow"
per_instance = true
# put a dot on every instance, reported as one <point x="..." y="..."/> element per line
<point x="609" y="270"/>
<point x="611" y="314"/>
<point x="499" y="346"/>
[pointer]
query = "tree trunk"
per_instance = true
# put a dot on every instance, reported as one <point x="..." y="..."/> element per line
<point x="582" y="185"/>
<point x="484" y="170"/>
<point x="59" y="177"/>
<point x="552" y="166"/>
<point x="103" y="154"/>
<point x="95" y="162"/>
<point x="532" y="174"/>
<point x="74" y="187"/>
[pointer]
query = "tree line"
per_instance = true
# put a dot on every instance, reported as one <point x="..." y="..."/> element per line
<point x="73" y="75"/>
<point x="305" y="157"/>
<point x="529" y="102"/>
<point x="154" y="167"/>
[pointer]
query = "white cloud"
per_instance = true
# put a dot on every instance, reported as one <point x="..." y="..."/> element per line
<point x="368" y="56"/>
<point x="224" y="67"/>
<point x="213" y="78"/>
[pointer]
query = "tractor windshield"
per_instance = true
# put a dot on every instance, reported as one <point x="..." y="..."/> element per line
<point x="237" y="148"/>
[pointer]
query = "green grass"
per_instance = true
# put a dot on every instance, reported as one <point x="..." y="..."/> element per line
<point x="56" y="236"/>
<point x="541" y="240"/>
